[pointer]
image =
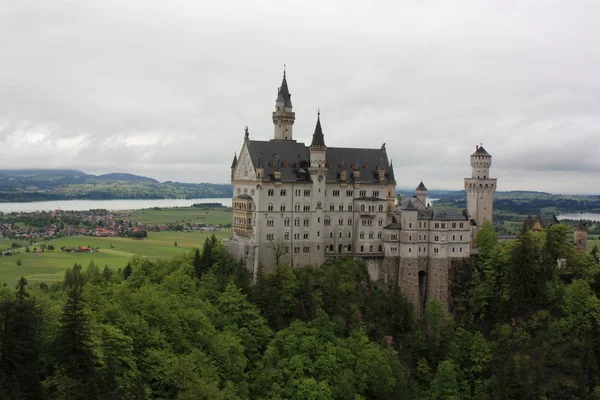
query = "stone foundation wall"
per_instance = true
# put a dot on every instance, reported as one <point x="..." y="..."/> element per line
<point x="408" y="280"/>
<point x="437" y="280"/>
<point x="390" y="271"/>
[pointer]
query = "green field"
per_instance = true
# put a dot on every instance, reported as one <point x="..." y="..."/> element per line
<point x="174" y="215"/>
<point x="592" y="243"/>
<point x="51" y="265"/>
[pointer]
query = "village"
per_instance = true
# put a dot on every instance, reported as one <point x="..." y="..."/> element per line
<point x="33" y="227"/>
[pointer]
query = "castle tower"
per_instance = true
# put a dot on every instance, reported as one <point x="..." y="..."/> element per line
<point x="580" y="236"/>
<point x="318" y="171"/>
<point x="421" y="193"/>
<point x="283" y="116"/>
<point x="480" y="187"/>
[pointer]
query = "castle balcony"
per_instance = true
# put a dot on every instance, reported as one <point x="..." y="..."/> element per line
<point x="368" y="214"/>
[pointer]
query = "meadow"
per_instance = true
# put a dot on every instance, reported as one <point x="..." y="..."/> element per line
<point x="115" y="252"/>
<point x="182" y="214"/>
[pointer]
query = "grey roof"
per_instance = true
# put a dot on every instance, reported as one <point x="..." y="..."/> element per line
<point x="421" y="186"/>
<point x="244" y="196"/>
<point x="391" y="177"/>
<point x="295" y="158"/>
<point x="409" y="206"/>
<point x="394" y="225"/>
<point x="414" y="200"/>
<point x="480" y="151"/>
<point x="318" y="140"/>
<point x="448" y="214"/>
<point x="283" y="94"/>
<point x="234" y="163"/>
<point x="260" y="163"/>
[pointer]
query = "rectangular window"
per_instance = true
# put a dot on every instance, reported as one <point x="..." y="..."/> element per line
<point x="306" y="235"/>
<point x="306" y="249"/>
<point x="307" y="193"/>
<point x="287" y="236"/>
<point x="462" y="225"/>
<point x="336" y="193"/>
<point x="435" y="250"/>
<point x="296" y="249"/>
<point x="454" y="224"/>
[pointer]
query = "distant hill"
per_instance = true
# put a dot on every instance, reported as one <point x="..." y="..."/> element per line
<point x="20" y="185"/>
<point x="116" y="176"/>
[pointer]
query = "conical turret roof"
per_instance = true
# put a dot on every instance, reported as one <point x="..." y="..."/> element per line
<point x="421" y="186"/>
<point x="284" y="96"/>
<point x="318" y="140"/>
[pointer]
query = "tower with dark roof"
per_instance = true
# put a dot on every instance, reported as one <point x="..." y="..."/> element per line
<point x="480" y="187"/>
<point x="580" y="236"/>
<point x="421" y="193"/>
<point x="283" y="116"/>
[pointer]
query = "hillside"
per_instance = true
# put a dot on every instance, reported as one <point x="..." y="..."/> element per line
<point x="66" y="184"/>
<point x="116" y="176"/>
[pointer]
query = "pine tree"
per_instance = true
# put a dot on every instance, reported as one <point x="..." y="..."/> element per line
<point x="19" y="370"/>
<point x="197" y="263"/>
<point x="74" y="354"/>
<point x="127" y="271"/>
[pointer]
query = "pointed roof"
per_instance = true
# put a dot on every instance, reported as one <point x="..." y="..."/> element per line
<point x="284" y="96"/>
<point x="421" y="186"/>
<point x="480" y="151"/>
<point x="234" y="163"/>
<point x="391" y="177"/>
<point x="318" y="139"/>
<point x="409" y="207"/>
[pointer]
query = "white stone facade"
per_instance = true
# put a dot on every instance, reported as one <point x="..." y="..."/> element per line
<point x="300" y="205"/>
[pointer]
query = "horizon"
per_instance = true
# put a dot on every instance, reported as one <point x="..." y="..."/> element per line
<point x="398" y="187"/>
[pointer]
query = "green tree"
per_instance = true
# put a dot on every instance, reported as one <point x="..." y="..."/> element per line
<point x="19" y="361"/>
<point x="127" y="271"/>
<point x="74" y="353"/>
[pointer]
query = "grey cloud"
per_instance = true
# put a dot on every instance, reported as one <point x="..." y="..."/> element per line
<point x="165" y="88"/>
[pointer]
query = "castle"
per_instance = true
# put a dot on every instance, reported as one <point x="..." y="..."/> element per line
<point x="301" y="205"/>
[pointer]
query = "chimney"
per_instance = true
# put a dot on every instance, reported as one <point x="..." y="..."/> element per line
<point x="381" y="173"/>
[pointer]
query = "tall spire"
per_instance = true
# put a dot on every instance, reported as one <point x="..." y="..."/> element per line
<point x="283" y="116"/>
<point x="318" y="140"/>
<point x="283" y="95"/>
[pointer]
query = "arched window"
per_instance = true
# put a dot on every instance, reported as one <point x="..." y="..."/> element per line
<point x="381" y="208"/>
<point x="380" y="248"/>
<point x="370" y="248"/>
<point x="362" y="207"/>
<point x="282" y="207"/>
<point x="286" y="222"/>
<point x="362" y="235"/>
<point x="370" y="235"/>
<point x="270" y="207"/>
<point x="362" y="249"/>
<point x="379" y="235"/>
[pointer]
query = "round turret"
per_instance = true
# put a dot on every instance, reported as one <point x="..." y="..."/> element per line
<point x="481" y="158"/>
<point x="481" y="161"/>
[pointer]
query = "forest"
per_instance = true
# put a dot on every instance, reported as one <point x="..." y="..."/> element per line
<point x="196" y="327"/>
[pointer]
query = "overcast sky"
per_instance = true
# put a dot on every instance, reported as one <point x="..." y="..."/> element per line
<point x="165" y="88"/>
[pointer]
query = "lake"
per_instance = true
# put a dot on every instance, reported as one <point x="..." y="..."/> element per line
<point x="578" y="216"/>
<point x="114" y="205"/>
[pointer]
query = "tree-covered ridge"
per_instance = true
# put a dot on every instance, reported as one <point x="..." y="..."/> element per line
<point x="195" y="327"/>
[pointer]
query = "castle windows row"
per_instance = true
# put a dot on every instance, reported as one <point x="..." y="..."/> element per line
<point x="361" y="193"/>
<point x="372" y="235"/>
